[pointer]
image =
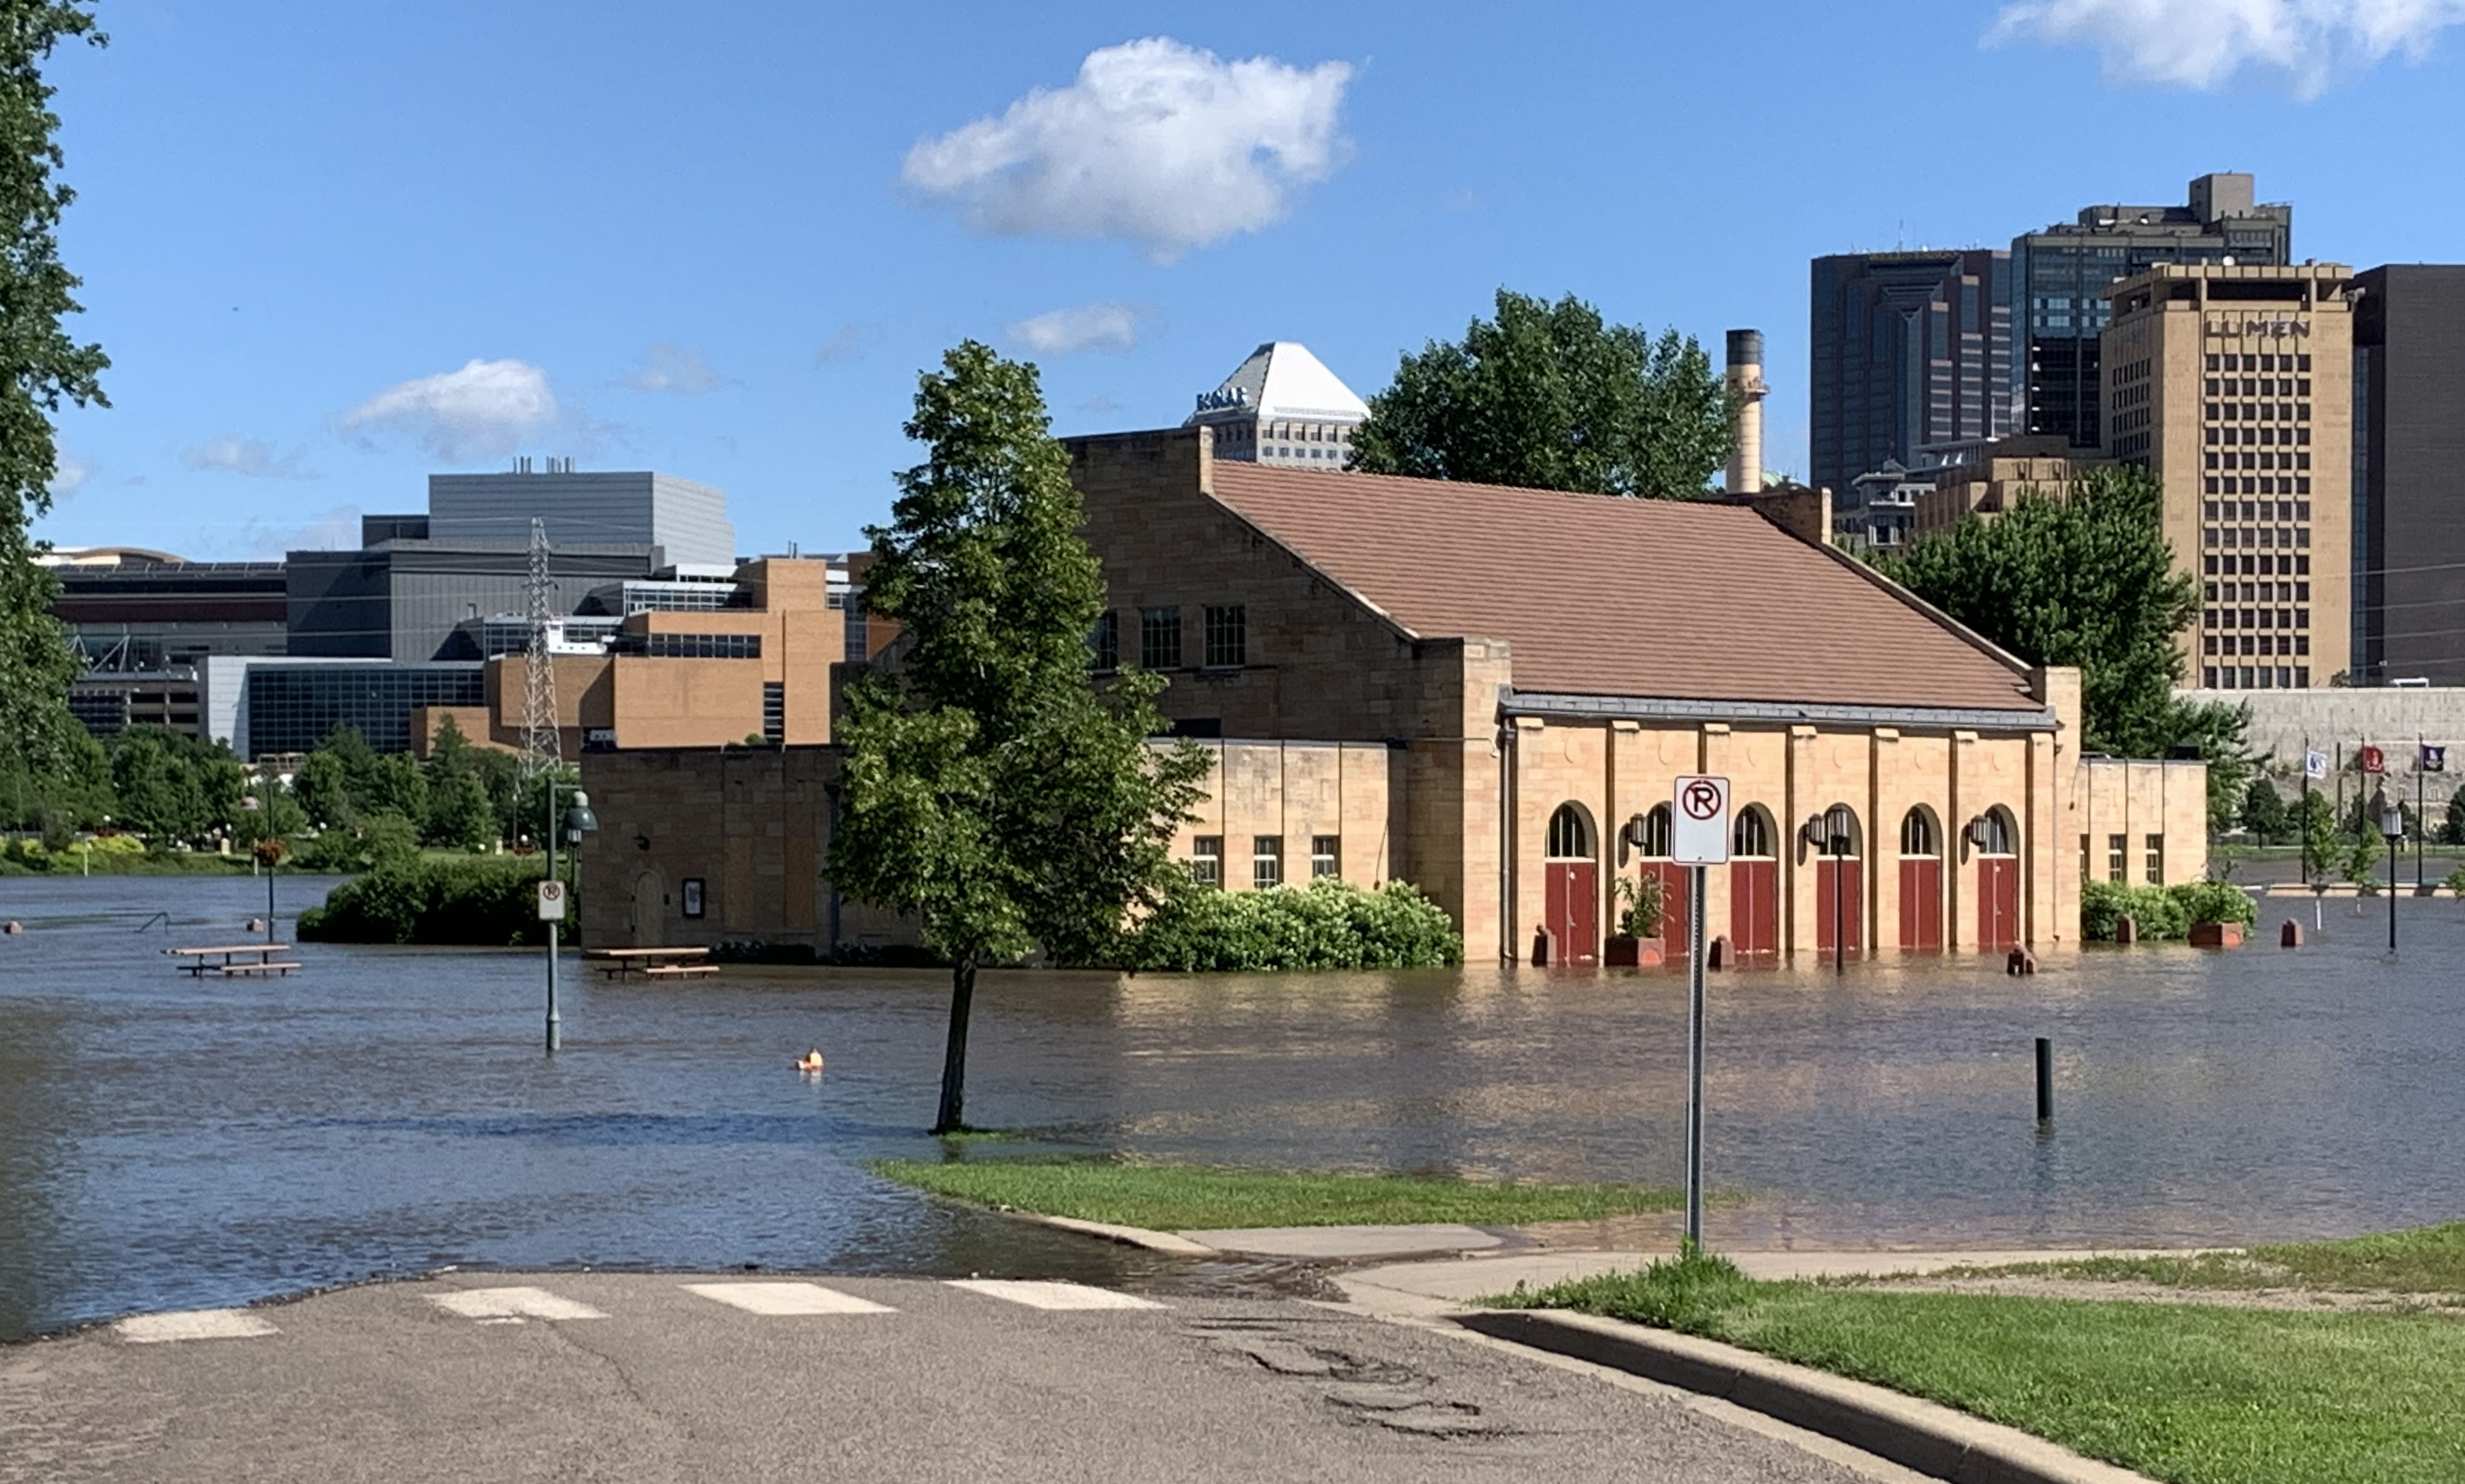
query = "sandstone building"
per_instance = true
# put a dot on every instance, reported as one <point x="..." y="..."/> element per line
<point x="1488" y="692"/>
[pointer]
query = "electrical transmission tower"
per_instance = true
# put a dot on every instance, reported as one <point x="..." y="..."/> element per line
<point x="541" y="752"/>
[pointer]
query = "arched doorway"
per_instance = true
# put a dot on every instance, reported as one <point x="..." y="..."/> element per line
<point x="1754" y="886"/>
<point x="1840" y="883"/>
<point x="1997" y="840"/>
<point x="1921" y="883"/>
<point x="1573" y="872"/>
<point x="1676" y="882"/>
<point x="650" y="910"/>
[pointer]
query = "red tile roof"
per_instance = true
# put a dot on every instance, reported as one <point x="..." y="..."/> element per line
<point x="1602" y="596"/>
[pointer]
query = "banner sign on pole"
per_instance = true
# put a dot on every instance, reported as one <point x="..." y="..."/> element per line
<point x="551" y="901"/>
<point x="1699" y="820"/>
<point x="2374" y="761"/>
<point x="2434" y="760"/>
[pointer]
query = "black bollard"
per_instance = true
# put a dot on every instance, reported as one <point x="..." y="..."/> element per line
<point x="2045" y="1080"/>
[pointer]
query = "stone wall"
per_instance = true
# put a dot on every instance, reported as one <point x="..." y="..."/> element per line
<point x="2391" y="719"/>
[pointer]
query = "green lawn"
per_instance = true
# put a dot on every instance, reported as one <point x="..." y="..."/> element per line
<point x="1169" y="1197"/>
<point x="2189" y="1393"/>
<point x="2425" y="1261"/>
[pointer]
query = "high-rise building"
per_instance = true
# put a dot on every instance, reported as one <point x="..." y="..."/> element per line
<point x="1910" y="351"/>
<point x="2410" y="474"/>
<point x="1281" y="406"/>
<point x="2233" y="386"/>
<point x="2061" y="277"/>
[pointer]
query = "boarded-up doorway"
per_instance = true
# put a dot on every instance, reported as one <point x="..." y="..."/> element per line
<point x="1754" y="888"/>
<point x="1920" y="884"/>
<point x="1572" y="912"/>
<point x="650" y="910"/>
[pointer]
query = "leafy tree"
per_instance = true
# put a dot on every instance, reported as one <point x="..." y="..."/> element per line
<point x="990" y="786"/>
<point x="1549" y="396"/>
<point x="275" y="817"/>
<point x="174" y="786"/>
<point x="323" y="791"/>
<point x="2317" y="820"/>
<point x="2451" y="826"/>
<point x="41" y="368"/>
<point x="74" y="789"/>
<point x="2090" y="581"/>
<point x="2263" y="811"/>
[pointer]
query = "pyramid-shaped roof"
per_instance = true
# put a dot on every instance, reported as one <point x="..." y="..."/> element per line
<point x="1282" y="380"/>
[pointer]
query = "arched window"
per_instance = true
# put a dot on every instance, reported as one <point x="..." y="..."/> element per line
<point x="1656" y="833"/>
<point x="1752" y="834"/>
<point x="1570" y="834"/>
<point x="1916" y="834"/>
<point x="1991" y="832"/>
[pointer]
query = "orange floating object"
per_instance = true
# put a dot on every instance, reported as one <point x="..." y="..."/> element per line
<point x="811" y="1061"/>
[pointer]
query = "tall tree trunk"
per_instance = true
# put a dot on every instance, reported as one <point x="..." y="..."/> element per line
<point x="954" y="1057"/>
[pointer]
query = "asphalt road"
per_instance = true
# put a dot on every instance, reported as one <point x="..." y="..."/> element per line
<point x="643" y="1378"/>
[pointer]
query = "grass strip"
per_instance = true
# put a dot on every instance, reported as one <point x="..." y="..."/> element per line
<point x="2423" y="1260"/>
<point x="1176" y="1197"/>
<point x="2187" y="1393"/>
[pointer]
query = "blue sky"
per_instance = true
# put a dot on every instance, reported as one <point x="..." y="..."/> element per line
<point x="333" y="248"/>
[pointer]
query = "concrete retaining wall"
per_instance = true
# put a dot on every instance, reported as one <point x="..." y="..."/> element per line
<point x="2389" y="719"/>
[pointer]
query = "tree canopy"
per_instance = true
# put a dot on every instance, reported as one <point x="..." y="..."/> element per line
<point x="990" y="787"/>
<point x="1550" y="396"/>
<point x="41" y="367"/>
<point x="2090" y="581"/>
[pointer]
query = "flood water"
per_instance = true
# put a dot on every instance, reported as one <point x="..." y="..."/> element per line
<point x="169" y="1142"/>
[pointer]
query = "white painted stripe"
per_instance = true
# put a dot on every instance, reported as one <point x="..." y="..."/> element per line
<point x="1037" y="1295"/>
<point x="775" y="1299"/>
<point x="155" y="1329"/>
<point x="512" y="1303"/>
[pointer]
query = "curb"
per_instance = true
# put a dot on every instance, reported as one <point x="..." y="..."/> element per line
<point x="1917" y="1434"/>
<point x="1128" y="1237"/>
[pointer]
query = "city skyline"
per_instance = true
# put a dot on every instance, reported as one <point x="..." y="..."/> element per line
<point x="331" y="256"/>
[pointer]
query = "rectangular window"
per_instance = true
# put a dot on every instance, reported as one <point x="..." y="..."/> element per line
<point x="1266" y="861"/>
<point x="1228" y="636"/>
<point x="1159" y="638"/>
<point x="1326" y="855"/>
<point x="774" y="711"/>
<point x="2155" y="860"/>
<point x="702" y="646"/>
<point x="2114" y="847"/>
<point x="1207" y="859"/>
<point x="1105" y="643"/>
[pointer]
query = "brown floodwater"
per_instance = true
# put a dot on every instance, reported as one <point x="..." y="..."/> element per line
<point x="167" y="1143"/>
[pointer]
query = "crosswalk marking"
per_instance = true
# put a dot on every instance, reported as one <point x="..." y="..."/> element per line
<point x="515" y="1303"/>
<point x="1039" y="1295"/>
<point x="781" y="1299"/>
<point x="155" y="1329"/>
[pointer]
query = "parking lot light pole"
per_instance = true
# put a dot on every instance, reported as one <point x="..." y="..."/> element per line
<point x="2392" y="826"/>
<point x="578" y="820"/>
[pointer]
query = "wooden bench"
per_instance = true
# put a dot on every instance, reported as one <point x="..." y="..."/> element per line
<point x="649" y="963"/>
<point x="678" y="970"/>
<point x="269" y="966"/>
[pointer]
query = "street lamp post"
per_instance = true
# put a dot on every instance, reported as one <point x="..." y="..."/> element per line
<point x="2392" y="826"/>
<point x="578" y="819"/>
<point x="1830" y="833"/>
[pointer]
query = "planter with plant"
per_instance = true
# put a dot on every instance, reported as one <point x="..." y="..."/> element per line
<point x="1637" y="943"/>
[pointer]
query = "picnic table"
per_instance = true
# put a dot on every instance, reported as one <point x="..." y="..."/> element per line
<point x="232" y="960"/>
<point x="652" y="962"/>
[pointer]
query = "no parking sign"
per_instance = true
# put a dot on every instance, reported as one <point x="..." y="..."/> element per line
<point x="1699" y="820"/>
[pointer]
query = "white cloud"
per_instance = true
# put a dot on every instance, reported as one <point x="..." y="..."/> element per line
<point x="69" y="475"/>
<point x="235" y="454"/>
<point x="484" y="411"/>
<point x="2209" y="43"/>
<point x="337" y="529"/>
<point x="668" y="367"/>
<point x="1158" y="143"/>
<point x="1107" y="324"/>
<point x="847" y="343"/>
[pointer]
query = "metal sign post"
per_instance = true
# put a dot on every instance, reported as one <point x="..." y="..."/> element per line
<point x="1698" y="836"/>
<point x="551" y="911"/>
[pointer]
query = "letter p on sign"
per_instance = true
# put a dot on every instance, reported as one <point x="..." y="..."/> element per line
<point x="1699" y="820"/>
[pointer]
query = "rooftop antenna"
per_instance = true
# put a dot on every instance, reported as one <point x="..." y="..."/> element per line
<point x="541" y="751"/>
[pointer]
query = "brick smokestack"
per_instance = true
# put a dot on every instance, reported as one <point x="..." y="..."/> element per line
<point x="1747" y="384"/>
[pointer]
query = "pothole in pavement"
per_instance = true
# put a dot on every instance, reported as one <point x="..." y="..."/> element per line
<point x="1367" y="1389"/>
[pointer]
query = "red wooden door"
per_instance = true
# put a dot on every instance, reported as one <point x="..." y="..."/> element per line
<point x="1754" y="909"/>
<point x="1839" y="892"/>
<point x="1676" y="892"/>
<point x="1574" y="918"/>
<point x="1922" y="905"/>
<point x="1998" y="903"/>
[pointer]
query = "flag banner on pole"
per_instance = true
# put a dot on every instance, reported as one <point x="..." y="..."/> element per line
<point x="2315" y="764"/>
<point x="2434" y="760"/>
<point x="2374" y="761"/>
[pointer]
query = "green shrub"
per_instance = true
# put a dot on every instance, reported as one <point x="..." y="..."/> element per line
<point x="2216" y="901"/>
<point x="1329" y="924"/>
<point x="489" y="902"/>
<point x="2162" y="912"/>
